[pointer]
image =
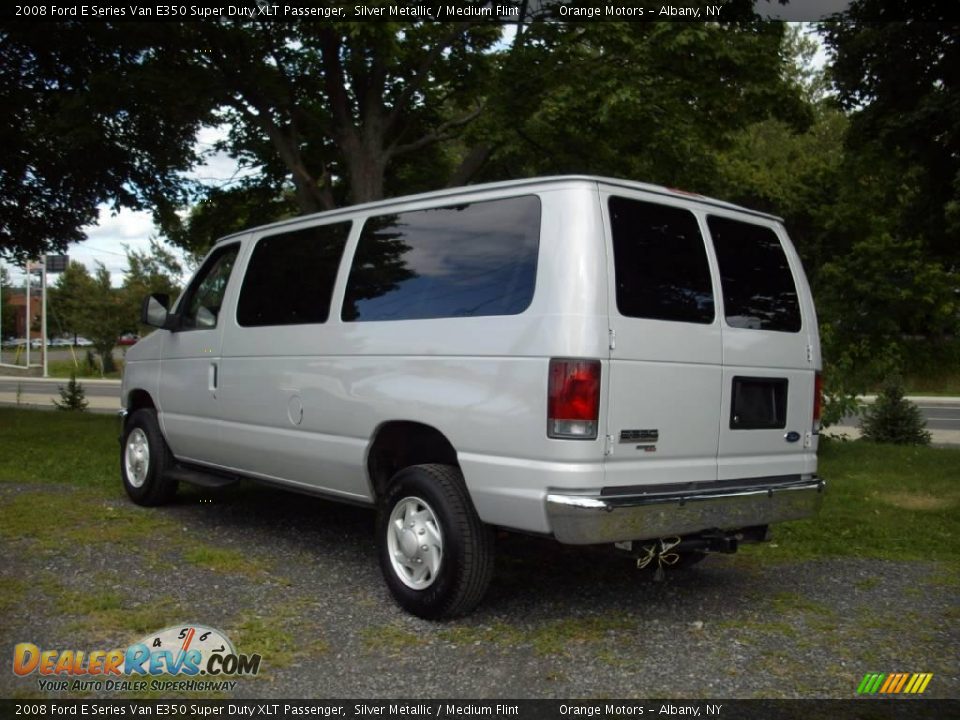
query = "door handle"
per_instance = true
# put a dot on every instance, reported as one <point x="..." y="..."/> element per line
<point x="212" y="378"/>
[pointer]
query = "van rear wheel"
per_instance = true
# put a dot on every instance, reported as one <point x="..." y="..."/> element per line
<point x="435" y="553"/>
<point x="145" y="460"/>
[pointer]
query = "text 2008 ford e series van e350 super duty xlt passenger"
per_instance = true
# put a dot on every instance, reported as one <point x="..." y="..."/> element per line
<point x="595" y="360"/>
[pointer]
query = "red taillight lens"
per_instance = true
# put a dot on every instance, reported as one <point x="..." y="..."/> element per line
<point x="817" y="401"/>
<point x="573" y="399"/>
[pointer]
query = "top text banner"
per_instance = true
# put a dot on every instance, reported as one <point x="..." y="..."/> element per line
<point x="502" y="11"/>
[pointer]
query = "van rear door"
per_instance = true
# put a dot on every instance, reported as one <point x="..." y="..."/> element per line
<point x="769" y="351"/>
<point x="666" y="344"/>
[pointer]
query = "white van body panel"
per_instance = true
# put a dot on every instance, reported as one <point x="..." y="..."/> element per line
<point x="301" y="405"/>
<point x="665" y="376"/>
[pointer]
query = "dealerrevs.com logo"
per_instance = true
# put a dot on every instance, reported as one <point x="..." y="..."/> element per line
<point x="189" y="650"/>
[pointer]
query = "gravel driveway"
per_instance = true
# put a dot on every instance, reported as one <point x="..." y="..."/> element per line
<point x="558" y="622"/>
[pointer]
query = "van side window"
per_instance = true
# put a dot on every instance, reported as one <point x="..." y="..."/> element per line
<point x="660" y="263"/>
<point x="462" y="261"/>
<point x="758" y="288"/>
<point x="290" y="277"/>
<point x="202" y="301"/>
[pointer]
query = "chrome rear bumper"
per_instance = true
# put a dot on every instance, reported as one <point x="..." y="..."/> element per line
<point x="588" y="519"/>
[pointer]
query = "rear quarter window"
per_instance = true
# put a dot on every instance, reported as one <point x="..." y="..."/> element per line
<point x="759" y="292"/>
<point x="466" y="260"/>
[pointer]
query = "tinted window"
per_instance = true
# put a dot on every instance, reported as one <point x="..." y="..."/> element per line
<point x="758" y="289"/>
<point x="290" y="277"/>
<point x="462" y="261"/>
<point x="202" y="301"/>
<point x="660" y="263"/>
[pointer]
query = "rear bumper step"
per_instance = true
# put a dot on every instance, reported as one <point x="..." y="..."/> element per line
<point x="590" y="519"/>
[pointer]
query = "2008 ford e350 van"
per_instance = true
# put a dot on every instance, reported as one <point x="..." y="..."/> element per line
<point x="596" y="360"/>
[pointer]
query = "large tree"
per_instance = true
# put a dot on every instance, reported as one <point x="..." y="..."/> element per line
<point x="649" y="101"/>
<point x="335" y="110"/>
<point x="89" y="120"/>
<point x="900" y="82"/>
<point x="330" y="113"/>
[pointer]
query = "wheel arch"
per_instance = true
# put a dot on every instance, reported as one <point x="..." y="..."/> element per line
<point x="138" y="399"/>
<point x="397" y="444"/>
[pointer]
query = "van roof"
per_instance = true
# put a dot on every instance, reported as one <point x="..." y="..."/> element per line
<point x="535" y="182"/>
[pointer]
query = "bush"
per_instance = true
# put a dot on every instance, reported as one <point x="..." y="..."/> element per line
<point x="73" y="397"/>
<point x="893" y="419"/>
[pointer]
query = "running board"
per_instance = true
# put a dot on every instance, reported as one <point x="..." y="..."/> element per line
<point x="196" y="477"/>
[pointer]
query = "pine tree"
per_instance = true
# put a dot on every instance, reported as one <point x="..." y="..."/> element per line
<point x="73" y="397"/>
<point x="894" y="419"/>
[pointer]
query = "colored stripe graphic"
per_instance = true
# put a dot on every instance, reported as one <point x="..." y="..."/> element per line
<point x="888" y="683"/>
<point x="894" y="683"/>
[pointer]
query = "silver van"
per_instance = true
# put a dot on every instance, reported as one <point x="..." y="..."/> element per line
<point x="595" y="360"/>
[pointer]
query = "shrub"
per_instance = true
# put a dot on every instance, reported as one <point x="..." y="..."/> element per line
<point x="73" y="397"/>
<point x="894" y="419"/>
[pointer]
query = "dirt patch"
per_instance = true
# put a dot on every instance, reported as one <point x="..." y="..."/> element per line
<point x="918" y="501"/>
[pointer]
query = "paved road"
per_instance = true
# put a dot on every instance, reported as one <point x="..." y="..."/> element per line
<point x="944" y="415"/>
<point x="102" y="395"/>
<point x="33" y="386"/>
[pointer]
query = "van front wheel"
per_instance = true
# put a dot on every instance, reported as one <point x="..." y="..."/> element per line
<point x="435" y="553"/>
<point x="145" y="460"/>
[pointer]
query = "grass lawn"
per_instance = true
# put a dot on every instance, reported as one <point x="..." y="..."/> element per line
<point x="82" y="369"/>
<point x="882" y="501"/>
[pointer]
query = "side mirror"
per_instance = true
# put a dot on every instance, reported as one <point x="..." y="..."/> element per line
<point x="154" y="312"/>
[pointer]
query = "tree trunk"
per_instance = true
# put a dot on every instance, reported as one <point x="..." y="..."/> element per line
<point x="366" y="166"/>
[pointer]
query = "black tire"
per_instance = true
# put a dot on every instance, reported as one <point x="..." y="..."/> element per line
<point x="465" y="551"/>
<point x="145" y="475"/>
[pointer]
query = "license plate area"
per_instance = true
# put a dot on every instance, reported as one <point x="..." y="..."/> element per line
<point x="758" y="403"/>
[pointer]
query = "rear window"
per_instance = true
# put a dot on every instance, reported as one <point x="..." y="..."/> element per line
<point x="758" y="288"/>
<point x="290" y="277"/>
<point x="462" y="261"/>
<point x="660" y="263"/>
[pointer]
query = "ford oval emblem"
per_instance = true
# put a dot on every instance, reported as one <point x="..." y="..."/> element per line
<point x="792" y="436"/>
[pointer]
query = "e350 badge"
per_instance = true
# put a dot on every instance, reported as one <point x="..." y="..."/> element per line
<point x="178" y="650"/>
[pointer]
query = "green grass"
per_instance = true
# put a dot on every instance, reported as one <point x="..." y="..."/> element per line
<point x="82" y="369"/>
<point x="282" y="638"/>
<point x="223" y="560"/>
<point x="78" y="449"/>
<point x="80" y="453"/>
<point x="882" y="501"/>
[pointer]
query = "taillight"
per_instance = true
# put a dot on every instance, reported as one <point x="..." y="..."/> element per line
<point x="817" y="402"/>
<point x="573" y="399"/>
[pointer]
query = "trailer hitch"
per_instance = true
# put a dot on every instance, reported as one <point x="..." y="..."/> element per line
<point x="667" y="551"/>
<point x="662" y="552"/>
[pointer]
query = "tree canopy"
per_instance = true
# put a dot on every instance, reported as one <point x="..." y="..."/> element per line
<point x="862" y="161"/>
<point x="900" y="84"/>
<point x="87" y="123"/>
